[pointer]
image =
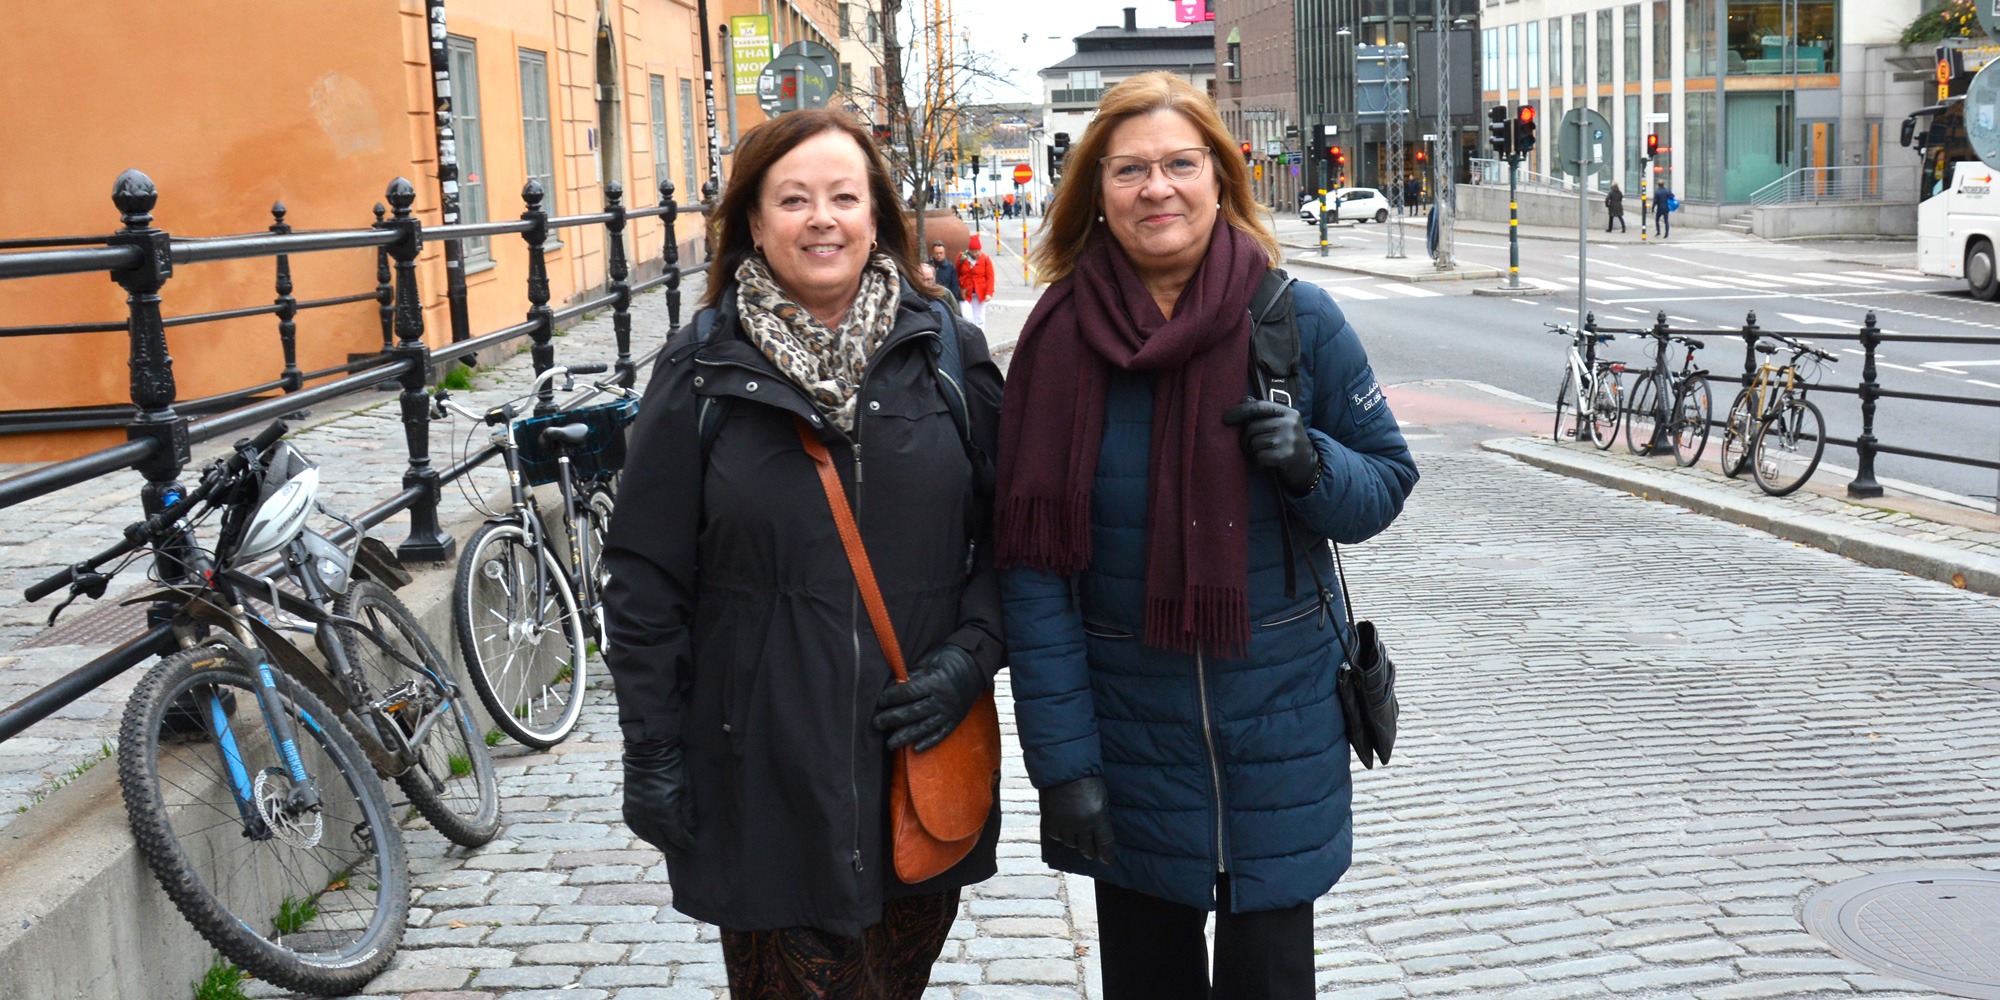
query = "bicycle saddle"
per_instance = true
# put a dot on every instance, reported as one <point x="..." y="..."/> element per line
<point x="1763" y="348"/>
<point x="566" y="436"/>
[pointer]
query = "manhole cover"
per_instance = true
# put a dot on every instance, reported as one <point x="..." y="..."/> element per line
<point x="1939" y="928"/>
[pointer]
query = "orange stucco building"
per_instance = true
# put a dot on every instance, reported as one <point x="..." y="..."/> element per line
<point x="230" y="107"/>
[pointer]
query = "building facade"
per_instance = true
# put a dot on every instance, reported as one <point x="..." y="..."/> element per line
<point x="1741" y="93"/>
<point x="320" y="109"/>
<point x="1108" y="55"/>
<point x="1257" y="92"/>
<point x="791" y="21"/>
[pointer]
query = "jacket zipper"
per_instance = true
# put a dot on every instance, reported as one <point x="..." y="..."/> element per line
<point x="1214" y="768"/>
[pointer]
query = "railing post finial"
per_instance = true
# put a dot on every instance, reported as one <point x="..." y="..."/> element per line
<point x="1864" y="484"/>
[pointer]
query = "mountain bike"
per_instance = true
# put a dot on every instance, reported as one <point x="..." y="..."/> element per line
<point x="1590" y="388"/>
<point x="1773" y="430"/>
<point x="270" y="830"/>
<point x="526" y="604"/>
<point x="1670" y="408"/>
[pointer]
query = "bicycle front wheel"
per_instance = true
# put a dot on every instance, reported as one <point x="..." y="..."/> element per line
<point x="1788" y="447"/>
<point x="1564" y="402"/>
<point x="415" y="690"/>
<point x="1640" y="418"/>
<point x="1737" y="430"/>
<point x="522" y="635"/>
<point x="1606" y="399"/>
<point x="1691" y="419"/>
<point x="304" y="886"/>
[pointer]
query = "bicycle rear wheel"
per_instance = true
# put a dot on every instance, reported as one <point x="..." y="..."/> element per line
<point x="596" y="510"/>
<point x="310" y="898"/>
<point x="1788" y="447"/>
<point x="1564" y="401"/>
<point x="1606" y="399"/>
<point x="1737" y="430"/>
<point x="1691" y="419"/>
<point x="452" y="782"/>
<point x="1642" y="418"/>
<point x="522" y="635"/>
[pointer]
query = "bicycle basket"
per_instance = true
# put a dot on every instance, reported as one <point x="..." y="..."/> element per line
<point x="601" y="454"/>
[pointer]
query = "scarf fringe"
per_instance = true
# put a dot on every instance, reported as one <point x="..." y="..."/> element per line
<point x="1209" y="619"/>
<point x="1045" y="533"/>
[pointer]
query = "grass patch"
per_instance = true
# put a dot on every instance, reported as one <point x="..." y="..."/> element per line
<point x="105" y="748"/>
<point x="461" y="765"/>
<point x="456" y="378"/>
<point x="222" y="981"/>
<point x="494" y="736"/>
<point x="294" y="914"/>
<point x="562" y="676"/>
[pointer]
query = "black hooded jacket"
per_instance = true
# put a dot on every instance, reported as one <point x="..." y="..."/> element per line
<point x="737" y="627"/>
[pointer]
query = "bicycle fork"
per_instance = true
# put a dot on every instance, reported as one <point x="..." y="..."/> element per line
<point x="303" y="796"/>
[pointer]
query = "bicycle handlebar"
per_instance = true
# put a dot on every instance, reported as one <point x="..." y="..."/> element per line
<point x="141" y="533"/>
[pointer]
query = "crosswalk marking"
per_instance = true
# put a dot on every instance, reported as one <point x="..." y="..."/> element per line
<point x="1891" y="275"/>
<point x="1744" y="280"/>
<point x="1360" y="294"/>
<point x="1835" y="279"/>
<point x="1789" y="280"/>
<point x="1608" y="286"/>
<point x="1413" y="291"/>
<point x="1647" y="283"/>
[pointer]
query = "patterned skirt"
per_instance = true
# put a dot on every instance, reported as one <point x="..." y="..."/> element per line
<point x="889" y="961"/>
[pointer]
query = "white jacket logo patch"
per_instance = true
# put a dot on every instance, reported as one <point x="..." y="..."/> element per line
<point x="1366" y="402"/>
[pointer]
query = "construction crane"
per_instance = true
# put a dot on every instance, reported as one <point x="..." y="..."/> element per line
<point x="941" y="83"/>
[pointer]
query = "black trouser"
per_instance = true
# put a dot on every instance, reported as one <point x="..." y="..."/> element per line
<point x="1152" y="949"/>
<point x="1662" y="224"/>
<point x="1618" y="219"/>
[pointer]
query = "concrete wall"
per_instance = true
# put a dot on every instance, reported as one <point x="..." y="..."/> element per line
<point x="1787" y="222"/>
<point x="1543" y="207"/>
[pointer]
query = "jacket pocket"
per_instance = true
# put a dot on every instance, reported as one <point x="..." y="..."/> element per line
<point x="742" y="671"/>
<point x="1098" y="631"/>
<point x="1303" y="613"/>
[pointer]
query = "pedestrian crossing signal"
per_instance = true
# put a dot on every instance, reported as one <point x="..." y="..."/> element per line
<point x="1652" y="145"/>
<point x="1500" y="130"/>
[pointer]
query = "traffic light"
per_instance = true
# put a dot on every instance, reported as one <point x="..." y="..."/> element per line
<point x="1291" y="134"/>
<point x="1058" y="151"/>
<point x="1524" y="130"/>
<point x="975" y="164"/>
<point x="1245" y="147"/>
<point x="1500" y="131"/>
<point x="1422" y="156"/>
<point x="1652" y="145"/>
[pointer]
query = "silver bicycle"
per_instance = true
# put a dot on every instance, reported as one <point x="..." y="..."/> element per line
<point x="1592" y="389"/>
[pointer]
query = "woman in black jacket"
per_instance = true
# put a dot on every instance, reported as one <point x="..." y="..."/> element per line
<point x="758" y="709"/>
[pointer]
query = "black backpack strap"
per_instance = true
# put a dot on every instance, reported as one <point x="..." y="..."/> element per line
<point x="709" y="415"/>
<point x="1274" y="338"/>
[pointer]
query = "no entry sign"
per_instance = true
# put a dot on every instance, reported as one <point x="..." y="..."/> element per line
<point x="1023" y="174"/>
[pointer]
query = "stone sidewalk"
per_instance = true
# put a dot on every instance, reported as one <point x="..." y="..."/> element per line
<point x="1620" y="772"/>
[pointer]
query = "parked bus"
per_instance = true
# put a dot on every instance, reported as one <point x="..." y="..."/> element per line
<point x="1958" y="210"/>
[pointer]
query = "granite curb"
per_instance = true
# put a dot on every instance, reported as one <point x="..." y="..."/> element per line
<point x="1731" y="501"/>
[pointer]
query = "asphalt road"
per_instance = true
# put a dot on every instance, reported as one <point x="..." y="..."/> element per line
<point x="1702" y="281"/>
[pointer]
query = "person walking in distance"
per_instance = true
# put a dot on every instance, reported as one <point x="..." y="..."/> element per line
<point x="1664" y="204"/>
<point x="759" y="725"/>
<point x="1175" y="694"/>
<point x="1614" y="208"/>
<point x="947" y="273"/>
<point x="975" y="281"/>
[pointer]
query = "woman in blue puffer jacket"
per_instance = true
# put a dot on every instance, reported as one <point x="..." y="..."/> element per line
<point x="1175" y="698"/>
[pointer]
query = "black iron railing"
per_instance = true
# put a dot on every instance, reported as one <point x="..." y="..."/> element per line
<point x="1869" y="391"/>
<point x="159" y="431"/>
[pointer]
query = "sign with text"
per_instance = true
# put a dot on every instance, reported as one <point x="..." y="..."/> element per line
<point x="1192" y="11"/>
<point x="749" y="49"/>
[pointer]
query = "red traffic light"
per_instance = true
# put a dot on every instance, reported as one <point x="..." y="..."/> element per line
<point x="1527" y="114"/>
<point x="1245" y="147"/>
<point x="1652" y="144"/>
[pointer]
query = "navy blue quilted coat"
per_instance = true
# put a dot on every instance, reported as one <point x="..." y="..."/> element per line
<point x="1213" y="765"/>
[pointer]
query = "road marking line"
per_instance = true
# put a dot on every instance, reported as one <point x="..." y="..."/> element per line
<point x="1526" y="302"/>
<point x="1411" y="290"/>
<point x="1891" y="275"/>
<point x="1545" y="283"/>
<point x="1740" y="279"/>
<point x="1358" y="294"/>
<point x="1609" y="286"/>
<point x="1789" y="280"/>
<point x="1902" y="368"/>
<point x="1680" y="319"/>
<point x="1648" y="283"/>
<point x="1835" y="279"/>
<point x="1988" y="385"/>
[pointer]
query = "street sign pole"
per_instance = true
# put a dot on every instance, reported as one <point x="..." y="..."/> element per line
<point x="1513" y="222"/>
<point x="1582" y="215"/>
<point x="1324" y="166"/>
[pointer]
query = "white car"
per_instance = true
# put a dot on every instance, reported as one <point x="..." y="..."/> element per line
<point x="1357" y="204"/>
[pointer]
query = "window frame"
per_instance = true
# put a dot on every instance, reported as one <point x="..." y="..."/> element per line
<point x="468" y="132"/>
<point x="532" y="62"/>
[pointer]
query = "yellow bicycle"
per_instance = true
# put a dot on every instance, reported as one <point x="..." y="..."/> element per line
<point x="1773" y="430"/>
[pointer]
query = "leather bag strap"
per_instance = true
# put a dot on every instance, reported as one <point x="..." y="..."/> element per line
<point x="857" y="555"/>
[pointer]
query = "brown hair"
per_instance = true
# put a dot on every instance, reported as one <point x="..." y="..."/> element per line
<point x="766" y="144"/>
<point x="1069" y="231"/>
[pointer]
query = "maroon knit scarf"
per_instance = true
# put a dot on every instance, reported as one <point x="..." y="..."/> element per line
<point x="1198" y="496"/>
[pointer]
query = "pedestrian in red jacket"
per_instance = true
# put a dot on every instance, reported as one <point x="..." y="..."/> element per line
<point x="975" y="279"/>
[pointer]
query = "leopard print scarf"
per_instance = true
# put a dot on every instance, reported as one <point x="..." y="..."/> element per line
<point x="827" y="364"/>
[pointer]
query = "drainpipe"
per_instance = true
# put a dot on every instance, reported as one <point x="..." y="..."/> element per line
<point x="447" y="149"/>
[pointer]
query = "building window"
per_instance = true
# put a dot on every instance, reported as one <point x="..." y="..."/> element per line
<point x="462" y="60"/>
<point x="874" y="22"/>
<point x="688" y="173"/>
<point x="1781" y="36"/>
<point x="1604" y="46"/>
<point x="1489" y="62"/>
<point x="1632" y="43"/>
<point x="537" y="142"/>
<point x="658" y="93"/>
<point x="1534" y="53"/>
<point x="1697" y="164"/>
<point x="846" y="21"/>
<point x="1663" y="43"/>
<point x="1513" y="57"/>
<point x="1579" y="47"/>
<point x="1634" y="151"/>
<point x="1556" y="53"/>
<point x="847" y="78"/>
<point x="1235" y="60"/>
<point x="1699" y="28"/>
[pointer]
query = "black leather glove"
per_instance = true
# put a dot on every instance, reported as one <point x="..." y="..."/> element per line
<point x="659" y="804"/>
<point x="924" y="710"/>
<point x="1077" y="814"/>
<point x="1274" y="436"/>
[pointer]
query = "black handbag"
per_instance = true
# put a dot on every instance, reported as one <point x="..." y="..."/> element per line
<point x="1366" y="684"/>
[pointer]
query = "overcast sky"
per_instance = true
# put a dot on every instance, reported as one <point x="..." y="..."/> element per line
<point x="996" y="27"/>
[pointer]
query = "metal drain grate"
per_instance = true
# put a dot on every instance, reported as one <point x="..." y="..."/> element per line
<point x="1938" y="928"/>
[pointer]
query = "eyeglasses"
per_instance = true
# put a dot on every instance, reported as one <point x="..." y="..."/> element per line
<point x="1179" y="165"/>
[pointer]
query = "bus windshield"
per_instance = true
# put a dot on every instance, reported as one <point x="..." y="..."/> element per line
<point x="1938" y="135"/>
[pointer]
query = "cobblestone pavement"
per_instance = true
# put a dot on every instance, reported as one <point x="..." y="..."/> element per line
<point x="1634" y="739"/>
<point x="358" y="442"/>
